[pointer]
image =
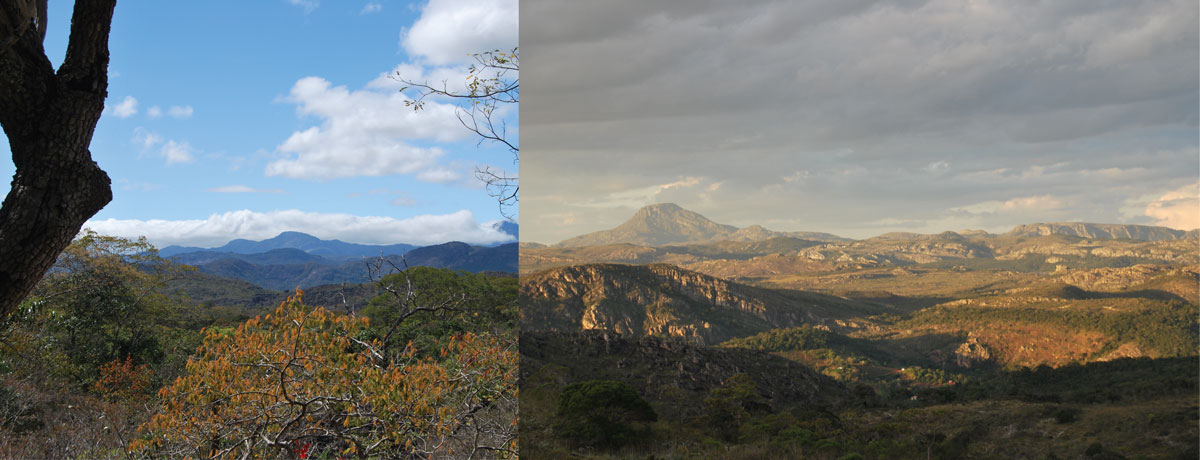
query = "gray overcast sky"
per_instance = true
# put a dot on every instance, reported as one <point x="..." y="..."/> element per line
<point x="860" y="117"/>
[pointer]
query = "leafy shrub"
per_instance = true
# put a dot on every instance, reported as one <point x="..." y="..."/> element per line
<point x="602" y="413"/>
<point x="299" y="378"/>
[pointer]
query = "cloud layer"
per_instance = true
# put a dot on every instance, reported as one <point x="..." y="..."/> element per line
<point x="219" y="229"/>
<point x="857" y="117"/>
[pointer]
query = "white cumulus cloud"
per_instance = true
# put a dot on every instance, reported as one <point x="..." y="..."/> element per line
<point x="126" y="108"/>
<point x="177" y="152"/>
<point x="1178" y="209"/>
<point x="363" y="133"/>
<point x="219" y="229"/>
<point x="450" y="30"/>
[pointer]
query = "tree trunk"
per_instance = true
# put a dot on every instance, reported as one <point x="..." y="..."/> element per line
<point x="49" y="119"/>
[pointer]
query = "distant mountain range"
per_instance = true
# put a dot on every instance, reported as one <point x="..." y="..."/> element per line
<point x="667" y="224"/>
<point x="294" y="259"/>
<point x="329" y="249"/>
<point x="1104" y="231"/>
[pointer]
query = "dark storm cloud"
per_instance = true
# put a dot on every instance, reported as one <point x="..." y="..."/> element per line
<point x="856" y="116"/>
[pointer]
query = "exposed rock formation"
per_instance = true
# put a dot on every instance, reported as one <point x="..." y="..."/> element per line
<point x="971" y="353"/>
<point x="1104" y="231"/>
<point x="664" y="300"/>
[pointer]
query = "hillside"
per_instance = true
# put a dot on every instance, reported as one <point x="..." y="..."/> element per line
<point x="289" y="268"/>
<point x="1051" y="340"/>
<point x="667" y="223"/>
<point x="663" y="300"/>
<point x="1103" y="231"/>
<point x="1059" y="361"/>
<point x="788" y="257"/>
<point x="204" y="290"/>
<point x="331" y="249"/>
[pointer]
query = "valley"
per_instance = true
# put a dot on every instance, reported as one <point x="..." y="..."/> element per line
<point x="243" y="278"/>
<point x="917" y="335"/>
<point x="295" y="259"/>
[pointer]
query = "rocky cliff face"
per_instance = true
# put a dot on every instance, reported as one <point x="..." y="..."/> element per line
<point x="1183" y="281"/>
<point x="664" y="300"/>
<point x="1174" y="251"/>
<point x="1102" y="231"/>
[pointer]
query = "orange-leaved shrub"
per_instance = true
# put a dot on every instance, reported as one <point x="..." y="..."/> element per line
<point x="303" y="380"/>
<point x="122" y="381"/>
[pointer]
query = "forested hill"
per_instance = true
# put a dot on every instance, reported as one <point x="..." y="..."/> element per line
<point x="288" y="268"/>
<point x="334" y="250"/>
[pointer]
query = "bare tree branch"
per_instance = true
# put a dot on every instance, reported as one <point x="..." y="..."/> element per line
<point x="491" y="83"/>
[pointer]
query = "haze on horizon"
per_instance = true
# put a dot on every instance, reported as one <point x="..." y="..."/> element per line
<point x="860" y="118"/>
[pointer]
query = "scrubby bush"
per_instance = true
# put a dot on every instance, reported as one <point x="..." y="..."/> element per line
<point x="602" y="413"/>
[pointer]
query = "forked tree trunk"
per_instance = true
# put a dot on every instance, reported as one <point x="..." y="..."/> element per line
<point x="49" y="118"/>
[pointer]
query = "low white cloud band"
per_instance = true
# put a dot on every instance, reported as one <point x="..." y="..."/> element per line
<point x="219" y="229"/>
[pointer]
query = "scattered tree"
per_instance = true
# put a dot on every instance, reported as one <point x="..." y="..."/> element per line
<point x="49" y="118"/>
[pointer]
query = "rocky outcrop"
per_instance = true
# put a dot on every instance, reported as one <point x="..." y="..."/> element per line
<point x="971" y="353"/>
<point x="1100" y="231"/>
<point x="1126" y="350"/>
<point x="664" y="300"/>
<point x="1181" y="281"/>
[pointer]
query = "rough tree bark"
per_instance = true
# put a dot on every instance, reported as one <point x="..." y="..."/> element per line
<point x="49" y="118"/>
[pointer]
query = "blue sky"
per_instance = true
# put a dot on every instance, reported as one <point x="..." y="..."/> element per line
<point x="244" y="119"/>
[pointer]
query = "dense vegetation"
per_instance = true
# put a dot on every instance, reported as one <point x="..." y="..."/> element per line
<point x="603" y="413"/>
<point x="105" y="360"/>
